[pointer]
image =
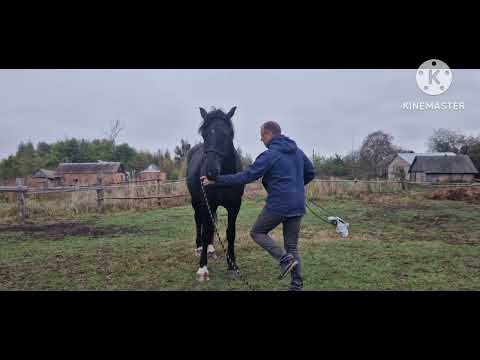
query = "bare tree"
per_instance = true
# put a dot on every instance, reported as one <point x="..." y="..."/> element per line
<point x="115" y="130"/>
<point x="445" y="140"/>
<point x="376" y="147"/>
<point x="182" y="151"/>
<point x="352" y="163"/>
<point x="112" y="134"/>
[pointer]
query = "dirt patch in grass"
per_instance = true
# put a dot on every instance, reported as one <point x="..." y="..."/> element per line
<point x="395" y="202"/>
<point x="59" y="231"/>
<point x="444" y="227"/>
<point x="421" y="222"/>
<point x="460" y="194"/>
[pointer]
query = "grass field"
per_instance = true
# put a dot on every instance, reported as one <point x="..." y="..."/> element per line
<point x="396" y="243"/>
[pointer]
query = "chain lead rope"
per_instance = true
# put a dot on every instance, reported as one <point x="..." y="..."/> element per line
<point x="230" y="262"/>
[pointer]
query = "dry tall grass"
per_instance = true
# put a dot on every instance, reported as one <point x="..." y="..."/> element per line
<point x="348" y="189"/>
<point x="70" y="204"/>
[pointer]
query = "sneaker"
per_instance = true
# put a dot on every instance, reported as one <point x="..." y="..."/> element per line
<point x="287" y="265"/>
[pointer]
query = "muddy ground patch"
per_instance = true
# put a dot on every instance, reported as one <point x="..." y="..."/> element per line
<point x="471" y="195"/>
<point x="58" y="231"/>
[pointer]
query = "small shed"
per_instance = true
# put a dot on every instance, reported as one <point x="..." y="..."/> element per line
<point x="151" y="172"/>
<point x="44" y="179"/>
<point x="444" y="168"/>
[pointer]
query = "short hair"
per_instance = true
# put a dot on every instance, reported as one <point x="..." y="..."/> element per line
<point x="273" y="127"/>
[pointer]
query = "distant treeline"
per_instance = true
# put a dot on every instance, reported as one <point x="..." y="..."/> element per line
<point x="29" y="158"/>
<point x="369" y="161"/>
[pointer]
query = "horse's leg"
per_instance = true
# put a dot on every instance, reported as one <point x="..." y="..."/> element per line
<point x="198" y="223"/>
<point x="232" y="219"/>
<point x="202" y="272"/>
<point x="211" y="249"/>
<point x="207" y="232"/>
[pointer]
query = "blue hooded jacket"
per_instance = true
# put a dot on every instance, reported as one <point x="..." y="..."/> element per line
<point x="285" y="170"/>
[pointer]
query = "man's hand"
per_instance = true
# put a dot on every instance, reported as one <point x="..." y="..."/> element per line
<point x="205" y="181"/>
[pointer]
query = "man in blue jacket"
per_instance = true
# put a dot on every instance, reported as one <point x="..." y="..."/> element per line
<point x="285" y="170"/>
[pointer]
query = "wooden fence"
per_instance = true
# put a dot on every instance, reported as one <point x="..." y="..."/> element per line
<point x="156" y="191"/>
<point x="155" y="188"/>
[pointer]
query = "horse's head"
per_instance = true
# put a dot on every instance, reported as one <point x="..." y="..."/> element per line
<point x="217" y="132"/>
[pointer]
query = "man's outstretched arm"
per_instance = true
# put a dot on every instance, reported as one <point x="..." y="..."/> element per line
<point x="253" y="172"/>
<point x="308" y="170"/>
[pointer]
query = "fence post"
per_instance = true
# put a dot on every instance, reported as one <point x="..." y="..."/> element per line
<point x="99" y="195"/>
<point x="21" y="203"/>
<point x="159" y="201"/>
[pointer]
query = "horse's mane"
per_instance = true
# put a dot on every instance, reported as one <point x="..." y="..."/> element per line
<point x="216" y="114"/>
<point x="192" y="151"/>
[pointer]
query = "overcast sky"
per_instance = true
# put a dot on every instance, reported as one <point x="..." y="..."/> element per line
<point x="321" y="109"/>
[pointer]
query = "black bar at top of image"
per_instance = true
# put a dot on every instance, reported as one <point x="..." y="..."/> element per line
<point x="280" y="49"/>
<point x="329" y="36"/>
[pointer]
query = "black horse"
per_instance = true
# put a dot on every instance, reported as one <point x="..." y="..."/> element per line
<point x="215" y="156"/>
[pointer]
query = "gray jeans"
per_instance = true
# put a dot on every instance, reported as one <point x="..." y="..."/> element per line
<point x="265" y="223"/>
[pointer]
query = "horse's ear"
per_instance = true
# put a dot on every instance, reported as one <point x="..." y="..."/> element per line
<point x="203" y="112"/>
<point x="231" y="112"/>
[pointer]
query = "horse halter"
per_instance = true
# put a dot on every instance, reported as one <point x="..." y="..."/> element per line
<point x="220" y="153"/>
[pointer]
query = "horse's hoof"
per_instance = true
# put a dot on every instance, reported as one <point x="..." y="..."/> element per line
<point x="234" y="274"/>
<point x="202" y="274"/>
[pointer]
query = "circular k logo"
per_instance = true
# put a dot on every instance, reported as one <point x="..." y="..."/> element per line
<point x="434" y="77"/>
